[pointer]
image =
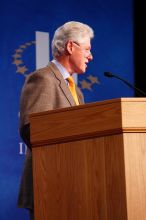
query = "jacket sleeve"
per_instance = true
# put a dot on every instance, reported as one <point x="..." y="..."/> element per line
<point x="36" y="96"/>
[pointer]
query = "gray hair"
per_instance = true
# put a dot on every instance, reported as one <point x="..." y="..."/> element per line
<point x="74" y="31"/>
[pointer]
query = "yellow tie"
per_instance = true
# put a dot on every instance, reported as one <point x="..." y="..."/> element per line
<point x="73" y="89"/>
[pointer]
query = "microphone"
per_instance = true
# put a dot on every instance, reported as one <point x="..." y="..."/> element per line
<point x="140" y="92"/>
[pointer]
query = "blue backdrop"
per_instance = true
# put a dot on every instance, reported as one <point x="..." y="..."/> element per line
<point x="112" y="49"/>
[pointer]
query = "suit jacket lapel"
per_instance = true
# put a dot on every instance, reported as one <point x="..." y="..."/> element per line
<point x="80" y="97"/>
<point x="62" y="84"/>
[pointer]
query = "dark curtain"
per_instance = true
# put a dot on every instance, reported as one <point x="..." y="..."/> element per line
<point x="140" y="44"/>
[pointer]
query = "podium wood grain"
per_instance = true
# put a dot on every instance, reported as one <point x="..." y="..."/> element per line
<point x="94" y="168"/>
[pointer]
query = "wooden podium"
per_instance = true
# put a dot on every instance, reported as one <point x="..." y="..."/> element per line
<point x="89" y="161"/>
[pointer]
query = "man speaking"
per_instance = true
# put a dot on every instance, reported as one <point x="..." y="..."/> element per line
<point x="53" y="87"/>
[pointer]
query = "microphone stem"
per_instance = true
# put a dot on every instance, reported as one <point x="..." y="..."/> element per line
<point x="141" y="93"/>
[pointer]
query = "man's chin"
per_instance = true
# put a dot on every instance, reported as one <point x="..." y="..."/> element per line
<point x="82" y="71"/>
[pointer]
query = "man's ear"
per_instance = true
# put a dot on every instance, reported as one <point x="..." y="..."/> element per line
<point x="69" y="47"/>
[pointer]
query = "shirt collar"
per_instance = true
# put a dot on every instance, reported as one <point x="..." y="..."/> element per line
<point x="62" y="69"/>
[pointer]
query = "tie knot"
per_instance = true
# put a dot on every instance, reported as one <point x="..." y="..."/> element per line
<point x="70" y="80"/>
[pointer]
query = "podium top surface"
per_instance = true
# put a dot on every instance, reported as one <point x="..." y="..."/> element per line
<point x="89" y="120"/>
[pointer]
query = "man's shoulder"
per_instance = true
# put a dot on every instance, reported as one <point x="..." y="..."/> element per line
<point x="40" y="72"/>
<point x="44" y="72"/>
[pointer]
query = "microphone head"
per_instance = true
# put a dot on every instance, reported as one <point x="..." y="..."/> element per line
<point x="108" y="74"/>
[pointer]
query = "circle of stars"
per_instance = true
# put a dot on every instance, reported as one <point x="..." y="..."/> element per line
<point x="87" y="84"/>
<point x="17" y="58"/>
<point x="22" y="69"/>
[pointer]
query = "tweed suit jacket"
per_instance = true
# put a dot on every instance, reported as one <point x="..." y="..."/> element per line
<point x="43" y="90"/>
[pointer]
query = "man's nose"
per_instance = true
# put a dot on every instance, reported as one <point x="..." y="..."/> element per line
<point x="90" y="56"/>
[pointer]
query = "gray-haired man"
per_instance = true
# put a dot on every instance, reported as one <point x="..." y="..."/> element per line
<point x="48" y="88"/>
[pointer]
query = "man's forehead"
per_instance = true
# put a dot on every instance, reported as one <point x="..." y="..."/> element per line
<point x="86" y="43"/>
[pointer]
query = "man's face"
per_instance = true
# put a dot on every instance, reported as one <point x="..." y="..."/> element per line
<point x="80" y="55"/>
